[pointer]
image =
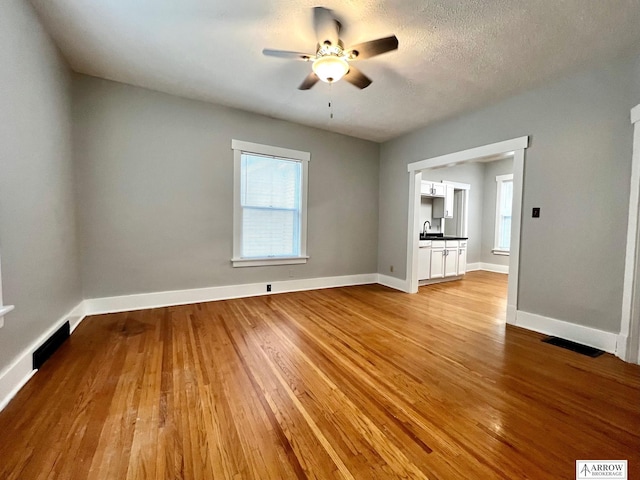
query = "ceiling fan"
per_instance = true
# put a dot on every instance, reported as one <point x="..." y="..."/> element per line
<point x="331" y="62"/>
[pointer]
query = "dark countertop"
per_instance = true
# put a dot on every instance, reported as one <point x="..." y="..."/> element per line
<point x="444" y="237"/>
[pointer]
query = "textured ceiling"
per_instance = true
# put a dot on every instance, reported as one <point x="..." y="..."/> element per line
<point x="453" y="55"/>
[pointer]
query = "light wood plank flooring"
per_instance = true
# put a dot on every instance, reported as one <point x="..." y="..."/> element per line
<point x="358" y="382"/>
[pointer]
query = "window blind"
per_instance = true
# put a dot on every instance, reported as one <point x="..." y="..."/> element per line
<point x="270" y="198"/>
<point x="505" y="194"/>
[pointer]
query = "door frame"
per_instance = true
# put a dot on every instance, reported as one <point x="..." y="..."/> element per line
<point x="628" y="346"/>
<point x="515" y="147"/>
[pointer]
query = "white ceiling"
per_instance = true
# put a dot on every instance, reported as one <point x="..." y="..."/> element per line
<point x="453" y="55"/>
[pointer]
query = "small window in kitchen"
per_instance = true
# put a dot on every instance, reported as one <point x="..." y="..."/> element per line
<point x="504" y="199"/>
<point x="270" y="205"/>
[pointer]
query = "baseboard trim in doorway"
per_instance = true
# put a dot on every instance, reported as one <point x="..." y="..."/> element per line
<point x="488" y="267"/>
<point x="570" y="331"/>
<point x="494" y="267"/>
<point x="393" y="282"/>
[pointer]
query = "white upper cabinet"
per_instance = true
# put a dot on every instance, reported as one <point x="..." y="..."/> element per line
<point x="439" y="189"/>
<point x="443" y="207"/>
<point x="432" y="189"/>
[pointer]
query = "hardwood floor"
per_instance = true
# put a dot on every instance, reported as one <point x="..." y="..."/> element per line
<point x="357" y="382"/>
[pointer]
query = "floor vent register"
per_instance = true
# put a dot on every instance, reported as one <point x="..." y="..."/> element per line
<point x="573" y="346"/>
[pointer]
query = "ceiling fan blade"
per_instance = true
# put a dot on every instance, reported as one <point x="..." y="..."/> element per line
<point x="326" y="26"/>
<point x="374" y="47"/>
<point x="309" y="81"/>
<point x="305" y="57"/>
<point x="357" y="78"/>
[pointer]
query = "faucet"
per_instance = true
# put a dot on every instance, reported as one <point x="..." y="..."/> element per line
<point x="424" y="227"/>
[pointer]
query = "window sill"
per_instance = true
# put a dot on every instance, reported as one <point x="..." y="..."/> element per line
<point x="261" y="262"/>
<point x="505" y="253"/>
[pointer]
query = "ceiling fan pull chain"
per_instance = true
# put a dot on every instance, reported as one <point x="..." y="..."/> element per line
<point x="330" y="102"/>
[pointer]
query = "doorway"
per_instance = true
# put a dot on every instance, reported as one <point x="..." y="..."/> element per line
<point x="514" y="147"/>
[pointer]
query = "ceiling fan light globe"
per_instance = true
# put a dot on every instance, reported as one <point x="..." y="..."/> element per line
<point x="330" y="69"/>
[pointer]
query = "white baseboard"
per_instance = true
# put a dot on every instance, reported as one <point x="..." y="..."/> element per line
<point x="489" y="267"/>
<point x="393" y="282"/>
<point x="18" y="373"/>
<point x="570" y="331"/>
<point x="494" y="267"/>
<point x="142" y="301"/>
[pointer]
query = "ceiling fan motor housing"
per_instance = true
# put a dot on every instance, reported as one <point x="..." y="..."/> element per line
<point x="331" y="60"/>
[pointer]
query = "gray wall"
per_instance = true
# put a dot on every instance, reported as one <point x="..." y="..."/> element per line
<point x="155" y="188"/>
<point x="40" y="273"/>
<point x="577" y="170"/>
<point x="491" y="170"/>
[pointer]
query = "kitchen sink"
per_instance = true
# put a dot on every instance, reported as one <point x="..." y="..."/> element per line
<point x="430" y="236"/>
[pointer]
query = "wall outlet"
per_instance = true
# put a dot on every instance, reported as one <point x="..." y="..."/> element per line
<point x="290" y="273"/>
<point x="535" y="213"/>
<point x="391" y="268"/>
<point x="268" y="287"/>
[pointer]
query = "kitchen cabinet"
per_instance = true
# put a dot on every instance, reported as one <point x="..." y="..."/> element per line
<point x="441" y="260"/>
<point x="443" y="207"/>
<point x="432" y="189"/>
<point x="444" y="259"/>
<point x="462" y="257"/>
<point x="424" y="261"/>
<point x="451" y="258"/>
<point x="437" y="262"/>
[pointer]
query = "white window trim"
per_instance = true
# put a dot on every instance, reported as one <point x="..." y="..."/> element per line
<point x="239" y="147"/>
<point x="499" y="180"/>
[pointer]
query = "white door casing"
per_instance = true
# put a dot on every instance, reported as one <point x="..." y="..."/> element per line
<point x="628" y="345"/>
<point x="513" y="147"/>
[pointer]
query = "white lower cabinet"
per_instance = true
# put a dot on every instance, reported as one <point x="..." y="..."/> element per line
<point x="451" y="260"/>
<point x="462" y="258"/>
<point x="442" y="259"/>
<point x="437" y="263"/>
<point x="437" y="259"/>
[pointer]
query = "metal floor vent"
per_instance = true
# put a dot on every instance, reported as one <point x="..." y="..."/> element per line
<point x="573" y="346"/>
<point x="47" y="349"/>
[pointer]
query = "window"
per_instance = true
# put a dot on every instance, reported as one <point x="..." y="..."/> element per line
<point x="504" y="199"/>
<point x="270" y="205"/>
